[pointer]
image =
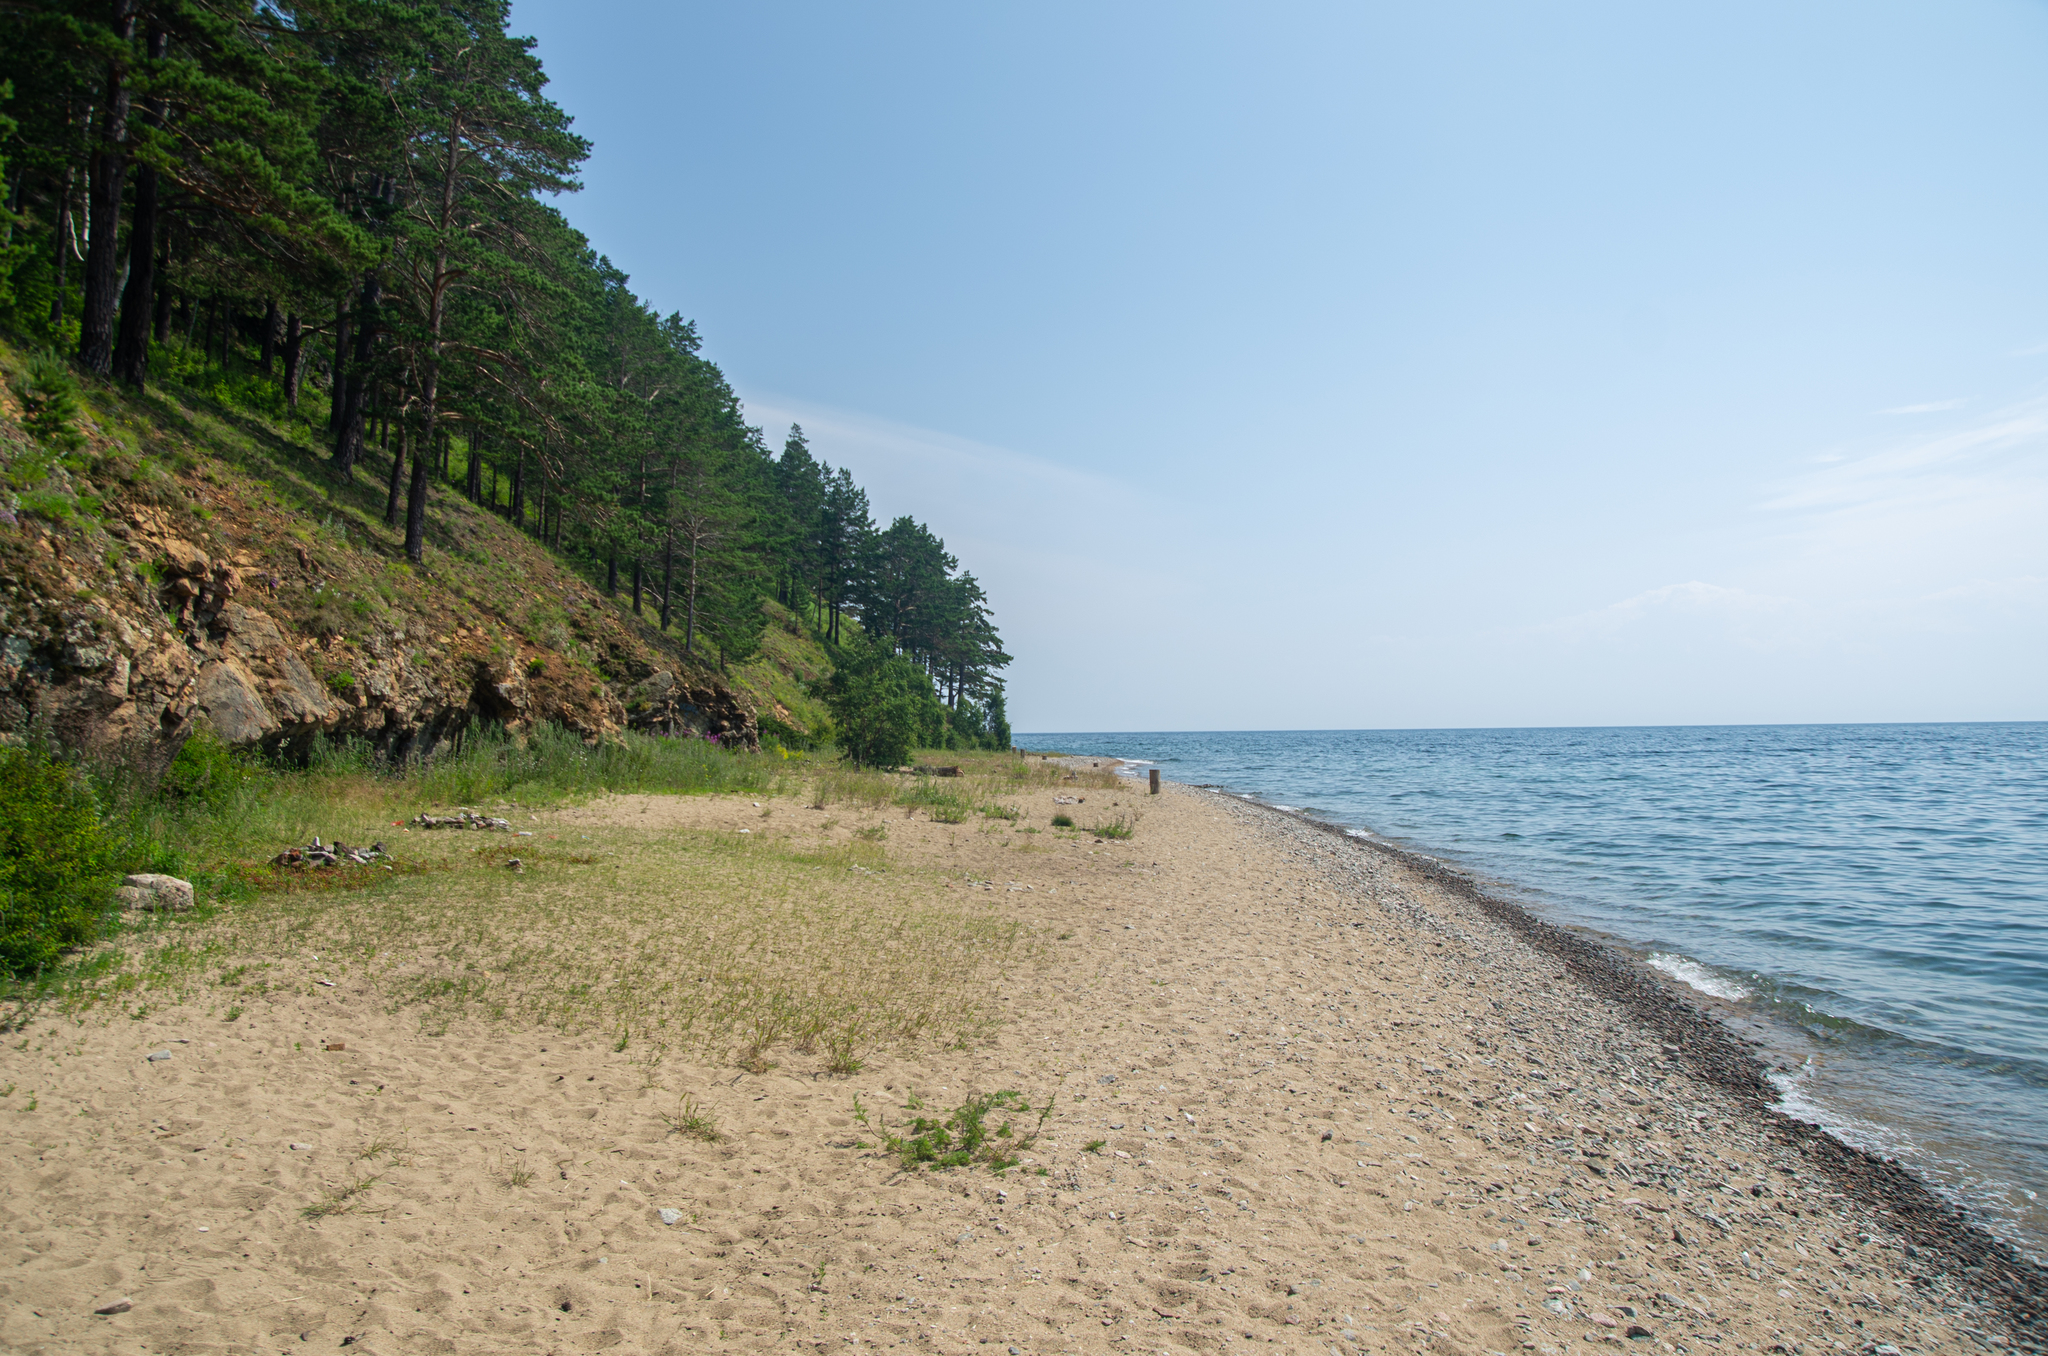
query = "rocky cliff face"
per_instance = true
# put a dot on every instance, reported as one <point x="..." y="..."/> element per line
<point x="193" y="596"/>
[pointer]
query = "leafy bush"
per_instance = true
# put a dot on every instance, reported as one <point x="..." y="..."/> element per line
<point x="775" y="731"/>
<point x="880" y="704"/>
<point x="206" y="772"/>
<point x="58" y="866"/>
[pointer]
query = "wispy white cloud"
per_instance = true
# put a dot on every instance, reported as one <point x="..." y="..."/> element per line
<point x="1978" y="459"/>
<point x="1931" y="407"/>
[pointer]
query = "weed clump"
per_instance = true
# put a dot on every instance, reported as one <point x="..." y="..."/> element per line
<point x="691" y="1120"/>
<point x="1117" y="826"/>
<point x="1063" y="821"/>
<point x="338" y="1200"/>
<point x="962" y="1137"/>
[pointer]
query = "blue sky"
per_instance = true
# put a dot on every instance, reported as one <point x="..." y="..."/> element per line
<point x="1349" y="365"/>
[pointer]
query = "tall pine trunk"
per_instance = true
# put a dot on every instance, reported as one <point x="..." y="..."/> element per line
<point x="430" y="383"/>
<point x="397" y="470"/>
<point x="138" y="302"/>
<point x="65" y="245"/>
<point x="668" y="561"/>
<point x="163" y="289"/>
<point x="105" y="177"/>
<point x="273" y="324"/>
<point x="348" y="439"/>
<point x="416" y="508"/>
<point x="690" y="599"/>
<point x="294" y="358"/>
<point x="336" y="376"/>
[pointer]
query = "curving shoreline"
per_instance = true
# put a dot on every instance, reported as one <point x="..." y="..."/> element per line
<point x="1298" y="1099"/>
<point x="1715" y="1054"/>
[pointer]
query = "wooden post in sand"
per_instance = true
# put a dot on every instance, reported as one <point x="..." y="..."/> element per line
<point x="1155" y="781"/>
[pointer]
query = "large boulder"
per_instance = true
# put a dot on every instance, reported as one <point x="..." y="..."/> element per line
<point x="152" y="893"/>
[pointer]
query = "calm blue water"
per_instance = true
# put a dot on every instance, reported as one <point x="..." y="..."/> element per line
<point x="1873" y="897"/>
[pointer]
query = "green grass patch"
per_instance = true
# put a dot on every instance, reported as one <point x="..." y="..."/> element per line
<point x="964" y="1136"/>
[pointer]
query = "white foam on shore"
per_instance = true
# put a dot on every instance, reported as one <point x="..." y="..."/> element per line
<point x="1857" y="1132"/>
<point x="1708" y="981"/>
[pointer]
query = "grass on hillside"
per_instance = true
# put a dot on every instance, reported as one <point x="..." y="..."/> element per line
<point x="223" y="463"/>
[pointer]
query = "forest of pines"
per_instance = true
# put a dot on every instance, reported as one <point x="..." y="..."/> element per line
<point x="338" y="212"/>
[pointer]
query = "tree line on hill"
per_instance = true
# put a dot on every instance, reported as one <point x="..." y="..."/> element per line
<point x="337" y="211"/>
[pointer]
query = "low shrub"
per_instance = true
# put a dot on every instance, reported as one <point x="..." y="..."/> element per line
<point x="207" y="772"/>
<point x="49" y="399"/>
<point x="58" y="865"/>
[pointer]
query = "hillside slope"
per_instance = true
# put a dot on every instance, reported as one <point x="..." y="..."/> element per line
<point x="184" y="560"/>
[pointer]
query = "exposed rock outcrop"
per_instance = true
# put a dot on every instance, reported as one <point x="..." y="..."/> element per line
<point x="666" y="704"/>
<point x="120" y="635"/>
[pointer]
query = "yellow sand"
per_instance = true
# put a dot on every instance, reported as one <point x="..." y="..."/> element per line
<point x="1315" y="1079"/>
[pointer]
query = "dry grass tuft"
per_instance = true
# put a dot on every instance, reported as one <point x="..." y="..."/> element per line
<point x="338" y="1200"/>
<point x="692" y="1120"/>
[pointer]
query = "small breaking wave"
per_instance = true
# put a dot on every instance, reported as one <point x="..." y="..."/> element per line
<point x="1708" y="981"/>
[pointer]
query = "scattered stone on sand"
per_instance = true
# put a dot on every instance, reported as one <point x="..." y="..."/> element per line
<point x="317" y="853"/>
<point x="150" y="892"/>
<point x="158" y="1056"/>
<point x="670" y="1215"/>
<point x="463" y="818"/>
<point x="119" y="1306"/>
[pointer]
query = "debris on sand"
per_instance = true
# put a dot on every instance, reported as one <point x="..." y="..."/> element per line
<point x="461" y="819"/>
<point x="317" y="853"/>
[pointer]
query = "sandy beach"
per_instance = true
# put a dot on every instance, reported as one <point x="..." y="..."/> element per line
<point x="1308" y="1095"/>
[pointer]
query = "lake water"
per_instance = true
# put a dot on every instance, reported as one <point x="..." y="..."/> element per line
<point x="1874" y="897"/>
